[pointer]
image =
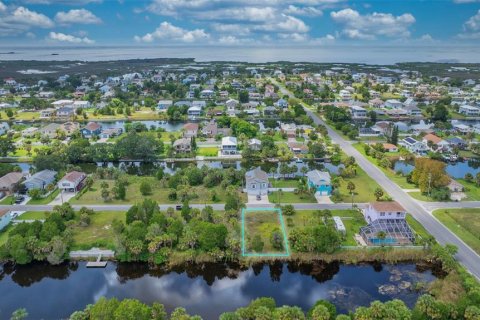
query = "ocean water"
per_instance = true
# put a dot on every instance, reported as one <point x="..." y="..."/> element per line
<point x="327" y="54"/>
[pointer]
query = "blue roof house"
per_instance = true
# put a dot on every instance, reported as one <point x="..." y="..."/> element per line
<point x="320" y="181"/>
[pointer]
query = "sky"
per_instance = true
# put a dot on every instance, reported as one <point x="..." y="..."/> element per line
<point x="239" y="22"/>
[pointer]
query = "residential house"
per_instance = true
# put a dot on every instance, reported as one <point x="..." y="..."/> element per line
<point x="40" y="180"/>
<point x="388" y="147"/>
<point x="194" y="111"/>
<point x="91" y="129"/>
<point x="110" y="133"/>
<point x="414" y="146"/>
<point x="4" y="127"/>
<point x="29" y="132"/>
<point x="229" y="146"/>
<point x="413" y="111"/>
<point x="254" y="144"/>
<point x="232" y="105"/>
<point x="281" y="103"/>
<point x="70" y="127"/>
<point x="183" y="145"/>
<point x="435" y="143"/>
<point x="297" y="147"/>
<point x="256" y="182"/>
<point x="320" y="181"/>
<point x="47" y="113"/>
<point x="72" y="181"/>
<point x="62" y="103"/>
<point x="65" y="112"/>
<point x="50" y="130"/>
<point x="358" y="112"/>
<point x="163" y="105"/>
<point x="469" y="111"/>
<point x="6" y="216"/>
<point x="10" y="181"/>
<point x="387" y="218"/>
<point x="210" y="129"/>
<point x="190" y="130"/>
<point x="82" y="104"/>
<point x="393" y="104"/>
<point x="457" y="142"/>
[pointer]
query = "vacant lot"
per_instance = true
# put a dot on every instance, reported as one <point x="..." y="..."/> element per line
<point x="99" y="233"/>
<point x="159" y="193"/>
<point x="262" y="225"/>
<point x="465" y="223"/>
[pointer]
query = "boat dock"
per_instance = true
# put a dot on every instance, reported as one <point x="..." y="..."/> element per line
<point x="93" y="253"/>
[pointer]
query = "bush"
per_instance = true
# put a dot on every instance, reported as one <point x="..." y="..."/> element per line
<point x="145" y="188"/>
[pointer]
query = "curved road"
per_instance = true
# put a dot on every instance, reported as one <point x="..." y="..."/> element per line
<point x="469" y="258"/>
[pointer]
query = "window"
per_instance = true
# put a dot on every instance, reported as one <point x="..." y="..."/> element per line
<point x="264" y="185"/>
<point x="382" y="214"/>
<point x="254" y="186"/>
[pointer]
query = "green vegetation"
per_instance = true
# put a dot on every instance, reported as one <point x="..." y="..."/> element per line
<point x="465" y="223"/>
<point x="291" y="197"/>
<point x="99" y="232"/>
<point x="364" y="188"/>
<point x="207" y="151"/>
<point x="45" y="200"/>
<point x="33" y="215"/>
<point x="263" y="232"/>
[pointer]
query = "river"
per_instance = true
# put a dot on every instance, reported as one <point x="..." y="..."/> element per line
<point x="52" y="292"/>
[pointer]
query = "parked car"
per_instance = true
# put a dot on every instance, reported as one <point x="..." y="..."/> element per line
<point x="19" y="199"/>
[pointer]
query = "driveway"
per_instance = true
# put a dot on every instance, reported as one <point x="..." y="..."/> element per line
<point x="252" y="200"/>
<point x="66" y="197"/>
<point x="322" y="199"/>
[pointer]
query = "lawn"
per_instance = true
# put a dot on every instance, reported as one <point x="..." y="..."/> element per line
<point x="262" y="223"/>
<point x="207" y="151"/>
<point x="401" y="181"/>
<point x="420" y="196"/>
<point x="7" y="200"/>
<point x="284" y="183"/>
<point x="4" y="234"/>
<point x="364" y="188"/>
<point x="471" y="190"/>
<point x="47" y="199"/>
<point x="99" y="233"/>
<point x="417" y="227"/>
<point x="465" y="223"/>
<point x="159" y="193"/>
<point x="290" y="197"/>
<point x="32" y="215"/>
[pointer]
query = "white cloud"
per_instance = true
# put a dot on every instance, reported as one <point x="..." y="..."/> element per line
<point x="167" y="31"/>
<point x="369" y="26"/>
<point x="465" y="1"/>
<point x="303" y="11"/>
<point x="472" y="24"/>
<point x="297" y="37"/>
<point x="62" y="37"/>
<point x="3" y="7"/>
<point x="229" y="40"/>
<point x="77" y="16"/>
<point x="21" y="20"/>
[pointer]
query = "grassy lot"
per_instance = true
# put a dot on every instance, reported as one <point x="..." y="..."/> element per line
<point x="465" y="223"/>
<point x="4" y="234"/>
<point x="159" y="193"/>
<point x="352" y="219"/>
<point x="7" y="200"/>
<point x="99" y="233"/>
<point x="207" y="151"/>
<point x="420" y="196"/>
<point x="284" y="183"/>
<point x="33" y="215"/>
<point x="291" y="197"/>
<point x="398" y="179"/>
<point x="263" y="224"/>
<point x="417" y="227"/>
<point x="471" y="190"/>
<point x="47" y="199"/>
<point x="364" y="188"/>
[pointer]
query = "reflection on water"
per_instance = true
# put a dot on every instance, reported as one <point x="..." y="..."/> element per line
<point x="456" y="170"/>
<point x="206" y="289"/>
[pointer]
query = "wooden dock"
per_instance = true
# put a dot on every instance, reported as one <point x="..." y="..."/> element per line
<point x="92" y="253"/>
<point x="97" y="264"/>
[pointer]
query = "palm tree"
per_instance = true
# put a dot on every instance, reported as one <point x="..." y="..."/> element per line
<point x="382" y="235"/>
<point x="351" y="187"/>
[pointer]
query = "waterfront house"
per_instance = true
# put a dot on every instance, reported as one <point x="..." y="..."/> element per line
<point x="163" y="105"/>
<point x="469" y="111"/>
<point x="255" y="144"/>
<point x="110" y="133"/>
<point x="29" y="132"/>
<point x="457" y="142"/>
<point x="91" y="129"/>
<point x="47" y="113"/>
<point x="210" y="129"/>
<point x="320" y="181"/>
<point x="190" y="130"/>
<point x="6" y="216"/>
<point x="229" y="146"/>
<point x="50" y="130"/>
<point x="414" y="146"/>
<point x="40" y="180"/>
<point x="387" y="224"/>
<point x="435" y="143"/>
<point x="70" y="127"/>
<point x="183" y="145"/>
<point x="72" y="181"/>
<point x="10" y="181"/>
<point x="194" y="111"/>
<point x="388" y="147"/>
<point x="256" y="182"/>
<point x="65" y="112"/>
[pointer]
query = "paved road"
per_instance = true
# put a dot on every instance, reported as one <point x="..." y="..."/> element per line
<point x="469" y="258"/>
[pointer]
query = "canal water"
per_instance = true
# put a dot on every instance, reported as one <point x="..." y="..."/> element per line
<point x="456" y="170"/>
<point x="53" y="292"/>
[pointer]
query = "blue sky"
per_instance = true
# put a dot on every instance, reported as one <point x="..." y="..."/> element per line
<point x="238" y="22"/>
